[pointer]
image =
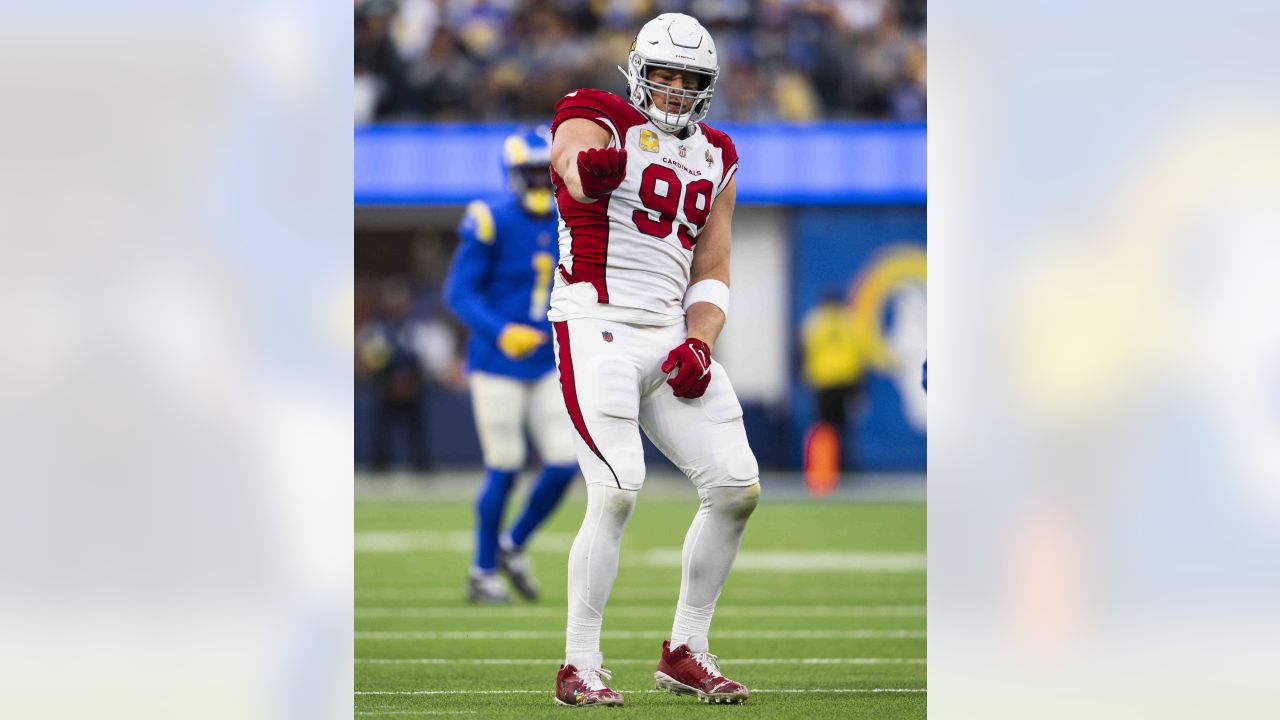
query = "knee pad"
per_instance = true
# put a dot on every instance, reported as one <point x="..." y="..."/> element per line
<point x="611" y="405"/>
<point x="619" y="504"/>
<point x="624" y="467"/>
<point x="736" y="502"/>
<point x="731" y="462"/>
<point x="611" y="506"/>
<point x="629" y="467"/>
<point x="738" y="464"/>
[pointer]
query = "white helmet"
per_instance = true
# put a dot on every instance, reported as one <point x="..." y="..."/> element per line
<point x="677" y="42"/>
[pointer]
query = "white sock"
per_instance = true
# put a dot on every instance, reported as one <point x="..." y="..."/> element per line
<point x="593" y="565"/>
<point x="710" y="548"/>
<point x="582" y="661"/>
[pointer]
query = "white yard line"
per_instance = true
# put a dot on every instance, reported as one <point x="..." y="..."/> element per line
<point x="549" y="692"/>
<point x="780" y="561"/>
<point x="497" y="613"/>
<point x="382" y="712"/>
<point x="641" y="661"/>
<point x="637" y="635"/>
<point x="631" y="593"/>
<point x="800" y="561"/>
<point x="444" y="541"/>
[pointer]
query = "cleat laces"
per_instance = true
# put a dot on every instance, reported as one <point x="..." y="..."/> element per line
<point x="708" y="662"/>
<point x="591" y="678"/>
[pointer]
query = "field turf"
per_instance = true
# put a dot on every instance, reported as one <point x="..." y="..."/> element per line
<point x="824" y="616"/>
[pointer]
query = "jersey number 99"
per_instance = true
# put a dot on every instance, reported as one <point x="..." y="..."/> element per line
<point x="661" y="192"/>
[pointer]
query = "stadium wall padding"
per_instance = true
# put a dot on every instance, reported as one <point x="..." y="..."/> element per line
<point x="836" y="248"/>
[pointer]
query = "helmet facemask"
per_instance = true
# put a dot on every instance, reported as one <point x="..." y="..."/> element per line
<point x="532" y="183"/>
<point x="694" y="103"/>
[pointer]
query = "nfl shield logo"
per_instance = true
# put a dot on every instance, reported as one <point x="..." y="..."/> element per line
<point x="682" y="150"/>
<point x="608" y="336"/>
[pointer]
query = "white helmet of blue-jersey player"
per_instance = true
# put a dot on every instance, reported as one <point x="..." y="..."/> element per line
<point x="677" y="43"/>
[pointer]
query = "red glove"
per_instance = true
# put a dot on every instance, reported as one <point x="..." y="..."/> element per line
<point x="693" y="357"/>
<point x="601" y="170"/>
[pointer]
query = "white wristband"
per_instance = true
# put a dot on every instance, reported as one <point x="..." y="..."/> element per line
<point x="708" y="291"/>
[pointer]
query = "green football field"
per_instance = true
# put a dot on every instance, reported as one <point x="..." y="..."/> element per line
<point x="823" y="617"/>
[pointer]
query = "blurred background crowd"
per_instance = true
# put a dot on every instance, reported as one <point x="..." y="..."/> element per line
<point x="780" y="60"/>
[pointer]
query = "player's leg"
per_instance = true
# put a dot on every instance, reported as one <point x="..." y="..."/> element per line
<point x="593" y="567"/>
<point x="498" y="403"/>
<point x="553" y="436"/>
<point x="552" y="433"/>
<point x="599" y="383"/>
<point x="706" y="439"/>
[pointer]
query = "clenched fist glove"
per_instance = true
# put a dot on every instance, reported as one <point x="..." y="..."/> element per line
<point x="519" y="341"/>
<point x="601" y="170"/>
<point x="693" y="358"/>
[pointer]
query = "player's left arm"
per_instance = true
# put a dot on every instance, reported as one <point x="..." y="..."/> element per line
<point x="711" y="262"/>
<point x="691" y="360"/>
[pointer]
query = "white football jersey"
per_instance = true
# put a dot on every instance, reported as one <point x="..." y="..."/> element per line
<point x="627" y="256"/>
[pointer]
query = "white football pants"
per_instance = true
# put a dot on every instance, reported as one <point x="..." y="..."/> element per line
<point x="611" y="375"/>
<point x="505" y="406"/>
<point x="614" y="387"/>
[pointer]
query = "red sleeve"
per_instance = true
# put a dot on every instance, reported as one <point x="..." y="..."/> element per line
<point x="603" y="108"/>
<point x="730" y="153"/>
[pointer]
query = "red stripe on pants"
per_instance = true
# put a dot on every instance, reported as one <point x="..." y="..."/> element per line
<point x="570" y="391"/>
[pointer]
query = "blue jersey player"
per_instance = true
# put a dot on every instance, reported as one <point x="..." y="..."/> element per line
<point x="499" y="286"/>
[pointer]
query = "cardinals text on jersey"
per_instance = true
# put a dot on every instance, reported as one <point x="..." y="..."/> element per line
<point x="627" y="256"/>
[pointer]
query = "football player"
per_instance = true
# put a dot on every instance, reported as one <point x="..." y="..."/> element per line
<point x="498" y="286"/>
<point x="645" y="192"/>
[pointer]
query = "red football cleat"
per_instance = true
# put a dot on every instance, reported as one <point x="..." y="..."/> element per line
<point x="685" y="672"/>
<point x="579" y="688"/>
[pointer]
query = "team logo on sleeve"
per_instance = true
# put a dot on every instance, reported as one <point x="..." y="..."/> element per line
<point x="649" y="141"/>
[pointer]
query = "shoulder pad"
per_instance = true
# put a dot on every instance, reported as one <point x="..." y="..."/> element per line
<point x="720" y="139"/>
<point x="607" y="110"/>
<point x="480" y="217"/>
<point x="597" y="99"/>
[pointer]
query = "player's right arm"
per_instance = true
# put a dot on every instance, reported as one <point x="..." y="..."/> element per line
<point x="571" y="138"/>
<point x="464" y="287"/>
<point x="472" y="265"/>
